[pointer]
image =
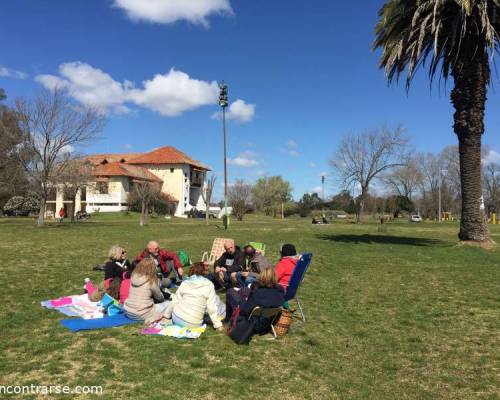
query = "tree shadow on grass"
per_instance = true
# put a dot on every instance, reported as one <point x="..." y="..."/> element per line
<point x="381" y="239"/>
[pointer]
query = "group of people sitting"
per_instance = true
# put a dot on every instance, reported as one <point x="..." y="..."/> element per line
<point x="144" y="285"/>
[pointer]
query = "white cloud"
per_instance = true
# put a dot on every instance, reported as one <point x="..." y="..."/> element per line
<point x="245" y="159"/>
<point x="67" y="149"/>
<point x="239" y="111"/>
<point x="169" y="94"/>
<point x="293" y="153"/>
<point x="128" y="146"/>
<point x="175" y="92"/>
<point x="261" y="172"/>
<point x="291" y="143"/>
<point x="492" y="157"/>
<point x="12" y="73"/>
<point x="88" y="85"/>
<point x="316" y="189"/>
<point x="169" y="11"/>
<point x="312" y="164"/>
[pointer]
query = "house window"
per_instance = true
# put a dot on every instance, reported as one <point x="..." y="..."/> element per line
<point x="102" y="187"/>
<point x="171" y="170"/>
<point x="83" y="194"/>
<point x="51" y="195"/>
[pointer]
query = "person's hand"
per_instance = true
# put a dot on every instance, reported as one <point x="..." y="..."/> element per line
<point x="217" y="269"/>
<point x="220" y="329"/>
<point x="223" y="269"/>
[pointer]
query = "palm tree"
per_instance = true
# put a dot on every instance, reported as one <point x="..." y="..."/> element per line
<point x="460" y="37"/>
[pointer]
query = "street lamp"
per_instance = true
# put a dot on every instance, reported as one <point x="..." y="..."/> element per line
<point x="441" y="173"/>
<point x="223" y="102"/>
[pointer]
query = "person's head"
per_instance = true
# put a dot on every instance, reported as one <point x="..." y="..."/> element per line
<point x="249" y="251"/>
<point x="288" y="250"/>
<point x="117" y="253"/>
<point x="268" y="278"/>
<point x="153" y="248"/>
<point x="229" y="247"/>
<point x="146" y="268"/>
<point x="198" y="268"/>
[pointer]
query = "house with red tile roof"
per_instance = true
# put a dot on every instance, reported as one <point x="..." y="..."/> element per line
<point x="179" y="176"/>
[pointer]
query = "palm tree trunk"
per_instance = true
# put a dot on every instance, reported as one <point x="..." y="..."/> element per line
<point x="469" y="98"/>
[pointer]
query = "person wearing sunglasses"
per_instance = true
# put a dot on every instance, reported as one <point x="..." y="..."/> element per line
<point x="117" y="263"/>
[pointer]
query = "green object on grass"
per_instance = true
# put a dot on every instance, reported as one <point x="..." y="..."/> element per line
<point x="184" y="258"/>
<point x="260" y="247"/>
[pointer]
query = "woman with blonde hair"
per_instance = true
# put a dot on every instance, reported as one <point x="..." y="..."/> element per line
<point x="145" y="300"/>
<point x="266" y="292"/>
<point x="117" y="263"/>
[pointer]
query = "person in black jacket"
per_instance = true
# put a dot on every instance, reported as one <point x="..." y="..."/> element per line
<point x="265" y="293"/>
<point x="117" y="264"/>
<point x="231" y="262"/>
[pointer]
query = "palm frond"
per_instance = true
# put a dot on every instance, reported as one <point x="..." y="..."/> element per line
<point x="448" y="32"/>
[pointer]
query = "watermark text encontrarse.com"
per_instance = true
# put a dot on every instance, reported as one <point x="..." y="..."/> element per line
<point x="49" y="389"/>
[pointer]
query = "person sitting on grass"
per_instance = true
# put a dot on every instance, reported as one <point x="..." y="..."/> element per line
<point x="286" y="265"/>
<point x="145" y="300"/>
<point x="266" y="292"/>
<point x="195" y="297"/>
<point x="169" y="267"/>
<point x="117" y="264"/>
<point x="254" y="263"/>
<point x="226" y="267"/>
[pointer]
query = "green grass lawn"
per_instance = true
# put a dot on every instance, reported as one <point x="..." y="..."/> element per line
<point x="396" y="314"/>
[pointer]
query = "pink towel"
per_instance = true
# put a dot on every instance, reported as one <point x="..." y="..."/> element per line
<point x="61" y="302"/>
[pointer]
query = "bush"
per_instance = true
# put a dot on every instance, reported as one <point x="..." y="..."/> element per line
<point x="19" y="205"/>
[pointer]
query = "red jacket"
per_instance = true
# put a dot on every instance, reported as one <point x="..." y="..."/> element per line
<point x="284" y="269"/>
<point x="162" y="259"/>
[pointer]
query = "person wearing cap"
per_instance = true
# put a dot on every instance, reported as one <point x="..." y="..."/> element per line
<point x="286" y="265"/>
<point x="254" y="264"/>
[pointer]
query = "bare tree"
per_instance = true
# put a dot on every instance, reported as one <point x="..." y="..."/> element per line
<point x="206" y="194"/>
<point x="147" y="192"/>
<point x="404" y="180"/>
<point x="363" y="157"/>
<point x="76" y="175"/>
<point x="240" y="198"/>
<point x="491" y="184"/>
<point x="52" y="126"/>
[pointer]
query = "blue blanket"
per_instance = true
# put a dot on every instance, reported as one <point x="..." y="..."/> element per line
<point x="80" y="324"/>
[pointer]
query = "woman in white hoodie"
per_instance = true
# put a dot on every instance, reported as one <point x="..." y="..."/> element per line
<point x="195" y="297"/>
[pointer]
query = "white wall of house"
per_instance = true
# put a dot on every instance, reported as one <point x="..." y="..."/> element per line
<point x="176" y="179"/>
<point x="114" y="200"/>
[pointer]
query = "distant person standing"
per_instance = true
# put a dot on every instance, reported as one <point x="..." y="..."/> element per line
<point x="62" y="214"/>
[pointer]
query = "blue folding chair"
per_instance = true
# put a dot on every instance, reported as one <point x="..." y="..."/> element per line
<point x="296" y="280"/>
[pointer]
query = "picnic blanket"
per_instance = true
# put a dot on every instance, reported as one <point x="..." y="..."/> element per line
<point x="179" y="332"/>
<point x="75" y="306"/>
<point x="80" y="324"/>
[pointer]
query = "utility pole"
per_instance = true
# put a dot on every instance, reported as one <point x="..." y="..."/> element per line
<point x="223" y="102"/>
<point x="323" y="187"/>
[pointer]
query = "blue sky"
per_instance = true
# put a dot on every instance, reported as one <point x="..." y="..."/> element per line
<point x="303" y="72"/>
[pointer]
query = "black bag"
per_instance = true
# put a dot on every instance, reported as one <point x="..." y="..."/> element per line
<point x="242" y="331"/>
